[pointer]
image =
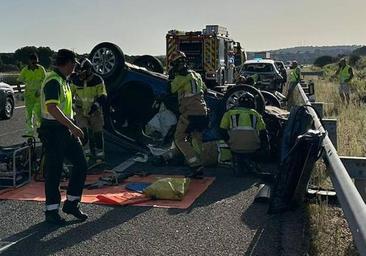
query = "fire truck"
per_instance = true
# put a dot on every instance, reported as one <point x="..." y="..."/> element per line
<point x="210" y="52"/>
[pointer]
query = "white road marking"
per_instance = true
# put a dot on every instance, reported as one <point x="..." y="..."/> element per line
<point x="2" y="249"/>
<point x="20" y="107"/>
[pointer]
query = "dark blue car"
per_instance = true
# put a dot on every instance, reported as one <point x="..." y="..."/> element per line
<point x="135" y="94"/>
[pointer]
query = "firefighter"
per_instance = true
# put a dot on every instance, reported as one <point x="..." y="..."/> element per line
<point x="245" y="132"/>
<point x="252" y="80"/>
<point x="61" y="139"/>
<point x="192" y="107"/>
<point x="294" y="79"/>
<point x="345" y="74"/>
<point x="90" y="95"/>
<point x="32" y="76"/>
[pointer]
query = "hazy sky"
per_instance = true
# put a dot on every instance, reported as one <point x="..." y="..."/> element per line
<point x="139" y="26"/>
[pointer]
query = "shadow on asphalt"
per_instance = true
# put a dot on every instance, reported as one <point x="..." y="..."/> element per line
<point x="268" y="230"/>
<point x="37" y="245"/>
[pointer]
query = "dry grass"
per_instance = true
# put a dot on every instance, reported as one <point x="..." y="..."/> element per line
<point x="330" y="234"/>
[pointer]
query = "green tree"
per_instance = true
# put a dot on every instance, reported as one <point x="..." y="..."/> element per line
<point x="324" y="60"/>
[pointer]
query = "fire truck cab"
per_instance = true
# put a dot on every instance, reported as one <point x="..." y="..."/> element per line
<point x="210" y="52"/>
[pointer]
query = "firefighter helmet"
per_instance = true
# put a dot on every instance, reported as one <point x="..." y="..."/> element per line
<point x="176" y="56"/>
<point x="246" y="100"/>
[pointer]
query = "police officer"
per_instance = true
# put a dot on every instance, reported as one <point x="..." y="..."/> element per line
<point x="245" y="132"/>
<point x="294" y="79"/>
<point x="90" y="96"/>
<point x="61" y="139"/>
<point x="32" y="76"/>
<point x="345" y="73"/>
<point x="192" y="107"/>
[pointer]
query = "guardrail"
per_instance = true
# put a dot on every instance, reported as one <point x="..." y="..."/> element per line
<point x="312" y="73"/>
<point x="352" y="204"/>
<point x="18" y="88"/>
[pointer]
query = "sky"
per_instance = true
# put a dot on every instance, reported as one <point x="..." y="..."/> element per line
<point x="140" y="26"/>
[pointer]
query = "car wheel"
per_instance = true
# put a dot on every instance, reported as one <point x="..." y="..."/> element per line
<point x="8" y="110"/>
<point x="233" y="94"/>
<point x="150" y="63"/>
<point x="108" y="60"/>
<point x="270" y="99"/>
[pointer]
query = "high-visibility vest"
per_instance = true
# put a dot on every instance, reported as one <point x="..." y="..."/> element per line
<point x="86" y="92"/>
<point x="295" y="75"/>
<point x="189" y="85"/>
<point x="242" y="117"/>
<point x="344" y="74"/>
<point x="64" y="102"/>
<point x="32" y="78"/>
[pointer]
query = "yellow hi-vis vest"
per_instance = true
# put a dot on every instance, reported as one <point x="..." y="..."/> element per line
<point x="295" y="75"/>
<point x="344" y="74"/>
<point x="64" y="102"/>
<point x="189" y="85"/>
<point x="32" y="78"/>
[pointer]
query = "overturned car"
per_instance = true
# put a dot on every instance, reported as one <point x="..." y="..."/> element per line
<point x="137" y="93"/>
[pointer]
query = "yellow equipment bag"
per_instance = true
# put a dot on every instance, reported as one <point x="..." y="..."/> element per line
<point x="168" y="188"/>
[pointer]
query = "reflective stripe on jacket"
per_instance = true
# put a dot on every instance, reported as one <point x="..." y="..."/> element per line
<point x="65" y="97"/>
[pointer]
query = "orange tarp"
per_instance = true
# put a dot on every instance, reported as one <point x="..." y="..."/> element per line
<point x="114" y="195"/>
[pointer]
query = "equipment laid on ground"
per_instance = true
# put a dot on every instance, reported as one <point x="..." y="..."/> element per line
<point x="168" y="189"/>
<point x="15" y="165"/>
<point x="120" y="173"/>
<point x="210" y="52"/>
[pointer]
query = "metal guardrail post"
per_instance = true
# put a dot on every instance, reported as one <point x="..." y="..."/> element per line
<point x="350" y="199"/>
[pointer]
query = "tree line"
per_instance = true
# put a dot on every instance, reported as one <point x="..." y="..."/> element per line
<point x="13" y="62"/>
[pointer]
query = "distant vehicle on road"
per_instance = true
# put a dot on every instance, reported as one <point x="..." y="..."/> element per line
<point x="269" y="77"/>
<point x="7" y="101"/>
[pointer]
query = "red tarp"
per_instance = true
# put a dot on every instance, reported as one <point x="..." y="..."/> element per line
<point x="114" y="195"/>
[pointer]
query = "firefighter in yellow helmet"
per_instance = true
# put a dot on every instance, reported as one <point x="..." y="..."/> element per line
<point x="345" y="74"/>
<point x="32" y="76"/>
<point x="192" y="107"/>
<point x="245" y="132"/>
<point x="90" y="95"/>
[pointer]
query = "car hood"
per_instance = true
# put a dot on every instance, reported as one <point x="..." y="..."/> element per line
<point x="5" y="86"/>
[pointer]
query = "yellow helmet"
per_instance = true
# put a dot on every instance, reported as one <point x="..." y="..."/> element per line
<point x="176" y="56"/>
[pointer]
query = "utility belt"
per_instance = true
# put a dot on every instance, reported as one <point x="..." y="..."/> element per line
<point x="52" y="124"/>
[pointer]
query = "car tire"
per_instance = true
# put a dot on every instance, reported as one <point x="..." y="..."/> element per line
<point x="150" y="63"/>
<point x="8" y="109"/>
<point x="235" y="92"/>
<point x="108" y="60"/>
<point x="270" y="99"/>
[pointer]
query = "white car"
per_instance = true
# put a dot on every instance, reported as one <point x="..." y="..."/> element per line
<point x="269" y="78"/>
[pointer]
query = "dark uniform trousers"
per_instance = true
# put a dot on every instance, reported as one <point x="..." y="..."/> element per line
<point x="59" y="143"/>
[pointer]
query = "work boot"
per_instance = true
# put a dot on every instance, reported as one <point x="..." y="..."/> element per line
<point x="73" y="208"/>
<point x="53" y="217"/>
<point x="196" y="173"/>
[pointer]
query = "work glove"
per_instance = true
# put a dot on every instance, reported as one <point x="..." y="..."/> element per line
<point x="94" y="108"/>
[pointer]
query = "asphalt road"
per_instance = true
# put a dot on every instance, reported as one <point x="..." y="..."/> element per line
<point x="223" y="221"/>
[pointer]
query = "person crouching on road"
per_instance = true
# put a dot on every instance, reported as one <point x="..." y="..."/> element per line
<point x="90" y="95"/>
<point x="32" y="75"/>
<point x="61" y="139"/>
<point x="245" y="132"/>
<point x="192" y="107"/>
